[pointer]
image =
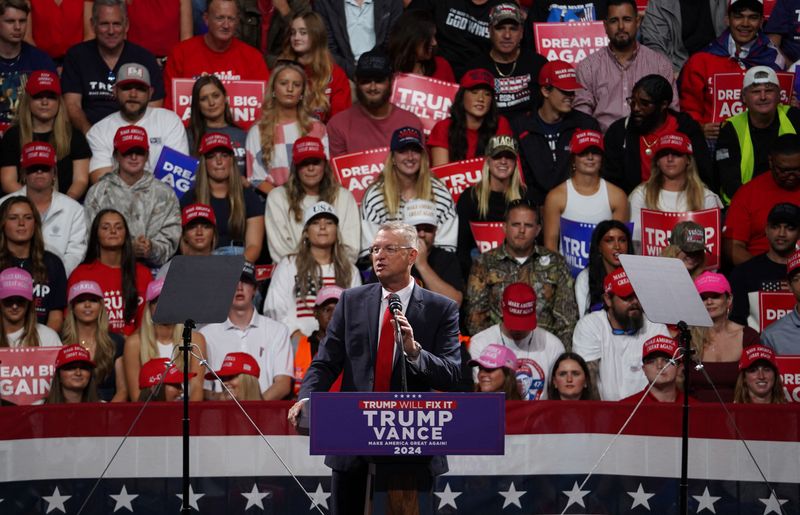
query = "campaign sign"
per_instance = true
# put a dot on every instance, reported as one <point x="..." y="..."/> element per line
<point x="244" y="99"/>
<point x="789" y="368"/>
<point x="657" y="229"/>
<point x="407" y="424"/>
<point x="429" y="99"/>
<point x="570" y="42"/>
<point x="727" y="91"/>
<point x="459" y="175"/>
<point x="575" y="240"/>
<point x="641" y="6"/>
<point x="358" y="170"/>
<point x="26" y="373"/>
<point x="772" y="306"/>
<point x="176" y="170"/>
<point x="769" y="5"/>
<point x="488" y="235"/>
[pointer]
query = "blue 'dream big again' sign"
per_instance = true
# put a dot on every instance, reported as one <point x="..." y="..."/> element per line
<point x="407" y="424"/>
<point x="176" y="169"/>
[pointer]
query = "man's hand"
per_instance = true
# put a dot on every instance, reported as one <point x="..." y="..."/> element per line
<point x="142" y="247"/>
<point x="409" y="346"/>
<point x="294" y="411"/>
<point x="711" y="130"/>
<point x="422" y="252"/>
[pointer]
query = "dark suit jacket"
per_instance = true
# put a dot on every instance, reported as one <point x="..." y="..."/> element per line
<point x="332" y="11"/>
<point x="350" y="347"/>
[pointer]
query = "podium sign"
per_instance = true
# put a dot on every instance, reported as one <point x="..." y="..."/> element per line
<point x="407" y="424"/>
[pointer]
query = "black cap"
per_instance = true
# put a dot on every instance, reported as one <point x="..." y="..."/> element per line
<point x="784" y="213"/>
<point x="373" y="65"/>
<point x="248" y="273"/>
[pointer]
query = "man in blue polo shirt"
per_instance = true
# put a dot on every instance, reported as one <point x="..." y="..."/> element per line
<point x="783" y="336"/>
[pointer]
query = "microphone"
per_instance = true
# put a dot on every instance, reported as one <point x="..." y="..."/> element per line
<point x="395" y="304"/>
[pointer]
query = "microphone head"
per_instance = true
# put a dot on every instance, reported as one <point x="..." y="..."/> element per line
<point x="395" y="304"/>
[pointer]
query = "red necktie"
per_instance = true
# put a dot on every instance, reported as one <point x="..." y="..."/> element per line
<point x="383" y="363"/>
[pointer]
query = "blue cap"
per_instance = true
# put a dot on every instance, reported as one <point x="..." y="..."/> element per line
<point x="404" y="137"/>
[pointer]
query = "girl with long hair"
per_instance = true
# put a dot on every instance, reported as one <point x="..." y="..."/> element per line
<point x="211" y="112"/>
<point x="688" y="243"/>
<point x="488" y="200"/>
<point x="310" y="181"/>
<point x="238" y="210"/>
<point x="42" y="116"/>
<point x="720" y="346"/>
<point x="497" y="367"/>
<point x="110" y="261"/>
<point x="473" y="120"/>
<point x="86" y="323"/>
<point x="22" y="245"/>
<point x="570" y="380"/>
<point x="18" y="326"/>
<point x="239" y="372"/>
<point x="759" y="381"/>
<point x="584" y="197"/>
<point x="321" y="260"/>
<point x="412" y="47"/>
<point x="407" y="176"/>
<point x="610" y="239"/>
<point x="74" y="380"/>
<point x="154" y="340"/>
<point x="674" y="184"/>
<point x="285" y="116"/>
<point x="328" y="88"/>
<point x="154" y="373"/>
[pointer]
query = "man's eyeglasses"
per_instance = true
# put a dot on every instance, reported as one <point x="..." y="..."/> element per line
<point x="641" y="102"/>
<point x="389" y="249"/>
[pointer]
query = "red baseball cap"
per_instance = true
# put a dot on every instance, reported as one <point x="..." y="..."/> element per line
<point x="42" y="81"/>
<point x="72" y="354"/>
<point x="793" y="263"/>
<point x="214" y="140"/>
<point x="307" y="147"/>
<point x="476" y="78"/>
<point x="236" y="363"/>
<point x="519" y="307"/>
<point x="151" y="372"/>
<point x="676" y="141"/>
<point x="195" y="211"/>
<point x="582" y="141"/>
<point x="130" y="137"/>
<point x="617" y="282"/>
<point x="659" y="343"/>
<point x="38" y="153"/>
<point x="755" y="353"/>
<point x="560" y="75"/>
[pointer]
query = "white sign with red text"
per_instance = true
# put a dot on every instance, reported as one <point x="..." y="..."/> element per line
<point x="244" y="98"/>
<point x="570" y="42"/>
<point x="429" y="99"/>
<point x="358" y="170"/>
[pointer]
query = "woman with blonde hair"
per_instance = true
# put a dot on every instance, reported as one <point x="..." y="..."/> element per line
<point x="285" y="116"/>
<point x="42" y="116"/>
<point x="154" y="340"/>
<point x="238" y="210"/>
<point x="239" y="372"/>
<point x="674" y="185"/>
<point x="488" y="200"/>
<point x="18" y="326"/>
<point x="406" y="176"/>
<point x="75" y="379"/>
<point x="328" y="87"/>
<point x="759" y="381"/>
<point x="86" y="323"/>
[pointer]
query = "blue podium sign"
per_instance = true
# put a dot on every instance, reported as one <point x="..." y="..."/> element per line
<point x="407" y="424"/>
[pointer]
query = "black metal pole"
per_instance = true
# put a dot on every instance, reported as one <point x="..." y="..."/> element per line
<point x="686" y="344"/>
<point x="188" y="326"/>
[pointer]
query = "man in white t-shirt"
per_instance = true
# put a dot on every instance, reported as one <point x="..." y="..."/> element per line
<point x="611" y="340"/>
<point x="133" y="92"/>
<point x="536" y="348"/>
<point x="261" y="337"/>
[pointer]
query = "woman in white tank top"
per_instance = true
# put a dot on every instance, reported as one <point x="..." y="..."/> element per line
<point x="584" y="197"/>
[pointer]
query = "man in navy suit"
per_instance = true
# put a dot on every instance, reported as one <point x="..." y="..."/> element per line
<point x="429" y="327"/>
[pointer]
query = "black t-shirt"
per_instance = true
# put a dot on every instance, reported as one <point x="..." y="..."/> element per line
<point x="467" y="209"/>
<point x="107" y="388"/>
<point x="78" y="149"/>
<point x="51" y="295"/>
<point x="253" y="207"/>
<point x="758" y="273"/>
<point x="697" y="29"/>
<point x="515" y="84"/>
<point x="86" y="73"/>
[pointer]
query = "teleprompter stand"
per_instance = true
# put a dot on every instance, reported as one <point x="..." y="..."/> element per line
<point x="668" y="296"/>
<point x="197" y="289"/>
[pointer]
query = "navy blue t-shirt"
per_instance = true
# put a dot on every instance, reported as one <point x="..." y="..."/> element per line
<point x="14" y="75"/>
<point x="253" y="207"/>
<point x="51" y="295"/>
<point x="785" y="20"/>
<point x="85" y="72"/>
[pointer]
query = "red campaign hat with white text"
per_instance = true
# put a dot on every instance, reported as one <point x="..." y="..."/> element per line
<point x="617" y="282"/>
<point x="38" y="153"/>
<point x="519" y="307"/>
<point x="194" y="211"/>
<point x="559" y="74"/>
<point x="755" y="353"/>
<point x="236" y="363"/>
<point x="130" y="137"/>
<point x="151" y="372"/>
<point x="214" y="140"/>
<point x="659" y="343"/>
<point x="582" y="141"/>
<point x="72" y="354"/>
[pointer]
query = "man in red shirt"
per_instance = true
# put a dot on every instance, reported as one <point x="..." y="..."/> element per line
<point x="744" y="233"/>
<point x="656" y="355"/>
<point x="218" y="51"/>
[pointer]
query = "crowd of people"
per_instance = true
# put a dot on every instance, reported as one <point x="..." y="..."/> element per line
<point x="88" y="232"/>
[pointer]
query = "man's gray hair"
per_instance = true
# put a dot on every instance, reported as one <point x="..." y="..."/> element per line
<point x="402" y="229"/>
<point x="97" y="4"/>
